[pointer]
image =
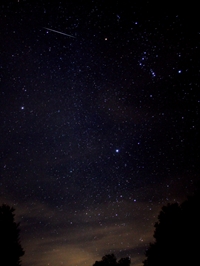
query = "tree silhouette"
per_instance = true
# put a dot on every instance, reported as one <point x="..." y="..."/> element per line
<point x="176" y="234"/>
<point x="124" y="262"/>
<point x="111" y="260"/>
<point x="10" y="247"/>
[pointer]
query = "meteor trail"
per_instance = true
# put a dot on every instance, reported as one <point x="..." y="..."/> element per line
<point x="60" y="32"/>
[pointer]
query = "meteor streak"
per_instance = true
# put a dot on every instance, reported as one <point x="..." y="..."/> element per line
<point x="60" y="32"/>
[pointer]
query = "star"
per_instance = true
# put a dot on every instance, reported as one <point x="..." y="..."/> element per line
<point x="92" y="124"/>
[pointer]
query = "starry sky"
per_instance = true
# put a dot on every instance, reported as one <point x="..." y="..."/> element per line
<point x="99" y="129"/>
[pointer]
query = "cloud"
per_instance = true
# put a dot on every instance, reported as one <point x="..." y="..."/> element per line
<point x="69" y="236"/>
<point x="49" y="236"/>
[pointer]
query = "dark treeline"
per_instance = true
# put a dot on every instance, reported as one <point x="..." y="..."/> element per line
<point x="176" y="238"/>
<point x="111" y="260"/>
<point x="176" y="235"/>
<point x="10" y="247"/>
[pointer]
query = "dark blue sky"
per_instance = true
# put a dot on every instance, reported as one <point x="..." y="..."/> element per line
<point x="99" y="131"/>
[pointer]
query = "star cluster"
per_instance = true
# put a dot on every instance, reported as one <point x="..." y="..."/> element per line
<point x="97" y="131"/>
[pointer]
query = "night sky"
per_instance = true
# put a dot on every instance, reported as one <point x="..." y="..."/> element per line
<point x="99" y="129"/>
